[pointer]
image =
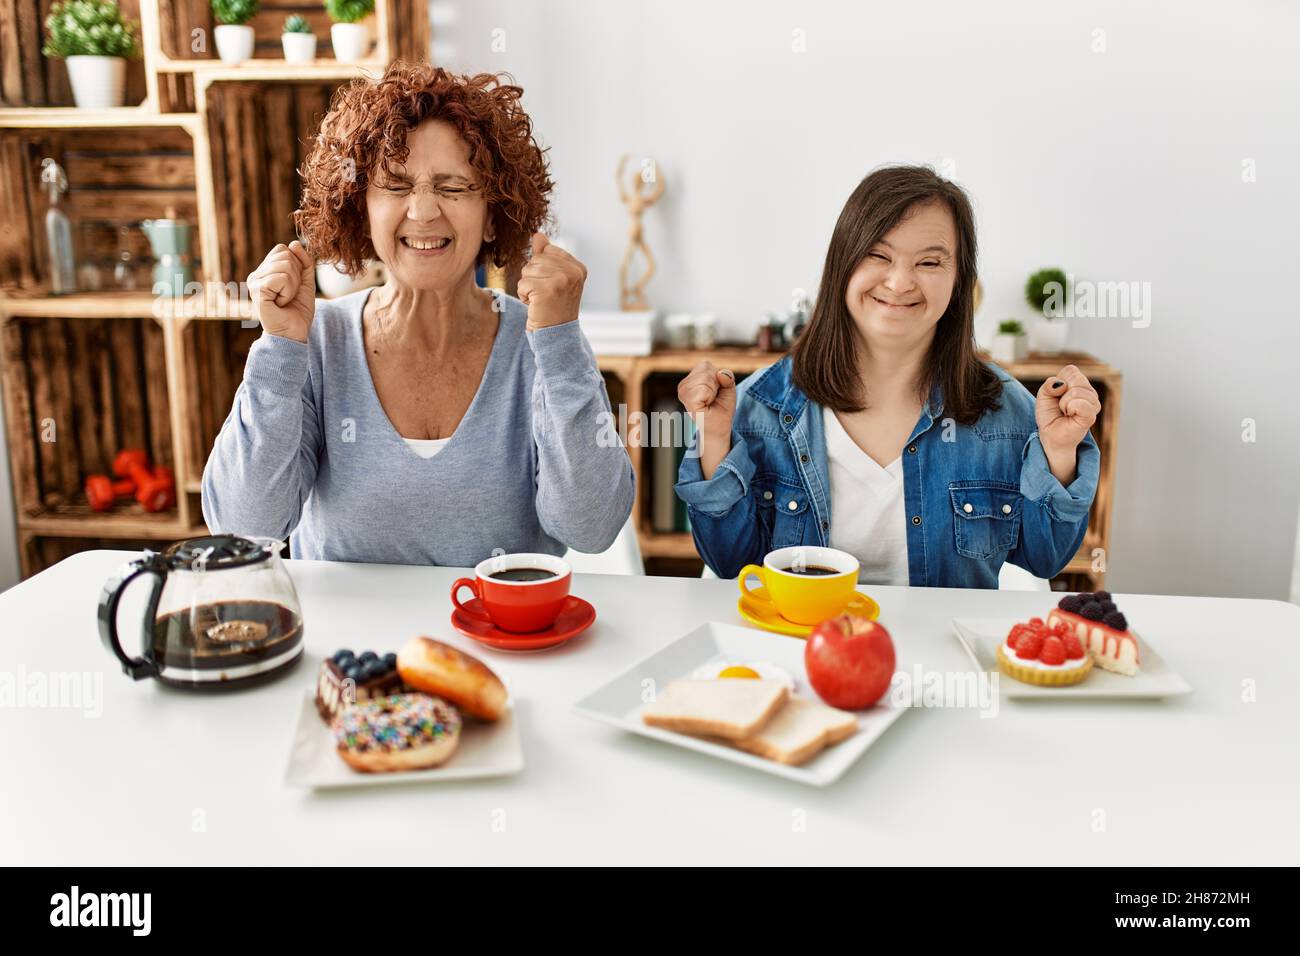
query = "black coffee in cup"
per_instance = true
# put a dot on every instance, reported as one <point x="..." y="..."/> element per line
<point x="811" y="569"/>
<point x="522" y="574"/>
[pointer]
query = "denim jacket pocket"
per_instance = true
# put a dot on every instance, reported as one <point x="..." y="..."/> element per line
<point x="784" y="503"/>
<point x="986" y="517"/>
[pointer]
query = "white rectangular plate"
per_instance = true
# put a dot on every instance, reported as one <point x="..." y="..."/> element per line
<point x="486" y="750"/>
<point x="620" y="701"/>
<point x="1155" y="678"/>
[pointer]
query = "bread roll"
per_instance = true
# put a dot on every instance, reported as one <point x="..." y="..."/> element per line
<point x="442" y="670"/>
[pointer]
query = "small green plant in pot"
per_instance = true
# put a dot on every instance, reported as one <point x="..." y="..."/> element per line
<point x="1010" y="344"/>
<point x="1046" y="292"/>
<point x="298" y="40"/>
<point x="349" y="31"/>
<point x="235" y="37"/>
<point x="95" y="41"/>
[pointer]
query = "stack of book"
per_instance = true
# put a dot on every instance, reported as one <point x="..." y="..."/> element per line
<point x="670" y="432"/>
<point x="618" y="333"/>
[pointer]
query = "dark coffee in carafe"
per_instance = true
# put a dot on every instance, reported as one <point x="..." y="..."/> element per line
<point x="246" y="639"/>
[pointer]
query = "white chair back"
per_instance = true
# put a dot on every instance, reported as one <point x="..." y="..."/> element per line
<point x="621" y="557"/>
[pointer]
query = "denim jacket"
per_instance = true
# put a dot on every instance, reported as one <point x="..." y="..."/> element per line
<point x="975" y="495"/>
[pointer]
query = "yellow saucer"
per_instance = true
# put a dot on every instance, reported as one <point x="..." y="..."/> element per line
<point x="759" y="615"/>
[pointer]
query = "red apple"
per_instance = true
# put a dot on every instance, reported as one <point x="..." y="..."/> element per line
<point x="850" y="661"/>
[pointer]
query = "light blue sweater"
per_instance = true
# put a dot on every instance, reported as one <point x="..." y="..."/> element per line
<point x="308" y="451"/>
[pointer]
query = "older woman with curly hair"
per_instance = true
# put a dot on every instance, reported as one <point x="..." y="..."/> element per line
<point x="427" y="420"/>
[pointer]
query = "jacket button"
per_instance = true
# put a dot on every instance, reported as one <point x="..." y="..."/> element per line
<point x="1006" y="509"/>
<point x="788" y="419"/>
<point x="794" y="505"/>
<point x="967" y="508"/>
<point x="767" y="496"/>
<point x="804" y="459"/>
<point x="911" y="449"/>
<point x="825" y="525"/>
<point x="916" y="519"/>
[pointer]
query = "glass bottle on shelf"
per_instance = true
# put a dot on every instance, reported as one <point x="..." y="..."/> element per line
<point x="58" y="231"/>
<point x="90" y="277"/>
<point x="124" y="267"/>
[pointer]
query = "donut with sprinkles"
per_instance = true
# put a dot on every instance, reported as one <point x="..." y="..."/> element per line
<point x="398" y="732"/>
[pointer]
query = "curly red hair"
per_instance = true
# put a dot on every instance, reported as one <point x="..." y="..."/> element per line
<point x="366" y="128"/>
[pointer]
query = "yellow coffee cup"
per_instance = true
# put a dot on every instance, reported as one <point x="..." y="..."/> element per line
<point x="804" y="585"/>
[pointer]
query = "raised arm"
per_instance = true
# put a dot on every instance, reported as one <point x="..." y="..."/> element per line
<point x="585" y="483"/>
<point x="263" y="464"/>
<point x="715" y="475"/>
<point x="1058" y="474"/>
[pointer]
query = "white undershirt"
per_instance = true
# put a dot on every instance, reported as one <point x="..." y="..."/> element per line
<point x="426" y="447"/>
<point x="868" y="519"/>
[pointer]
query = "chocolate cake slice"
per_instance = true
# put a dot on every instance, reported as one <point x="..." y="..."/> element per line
<point x="347" y="679"/>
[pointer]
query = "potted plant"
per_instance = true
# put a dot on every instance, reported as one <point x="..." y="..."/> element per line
<point x="299" y="42"/>
<point x="349" y="36"/>
<point x="1046" y="292"/>
<point x="96" y="43"/>
<point x="234" y="36"/>
<point x="1010" y="344"/>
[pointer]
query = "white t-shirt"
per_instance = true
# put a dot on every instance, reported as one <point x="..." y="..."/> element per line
<point x="868" y="519"/>
<point x="426" y="447"/>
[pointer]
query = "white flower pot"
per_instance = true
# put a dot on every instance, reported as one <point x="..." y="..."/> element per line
<point x="98" y="82"/>
<point x="1049" y="335"/>
<point x="234" y="42"/>
<point x="299" y="47"/>
<point x="351" y="41"/>
<point x="1007" y="349"/>
<point x="331" y="283"/>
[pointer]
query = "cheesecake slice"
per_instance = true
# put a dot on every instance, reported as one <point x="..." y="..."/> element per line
<point x="1103" y="630"/>
<point x="346" y="679"/>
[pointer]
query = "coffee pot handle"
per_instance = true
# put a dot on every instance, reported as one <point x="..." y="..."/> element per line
<point x="136" y="667"/>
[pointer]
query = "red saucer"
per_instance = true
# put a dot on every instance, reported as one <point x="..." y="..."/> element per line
<point x="575" y="617"/>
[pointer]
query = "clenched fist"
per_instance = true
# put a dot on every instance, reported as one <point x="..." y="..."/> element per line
<point x="284" y="291"/>
<point x="709" y="396"/>
<point x="1067" y="406"/>
<point x="551" y="285"/>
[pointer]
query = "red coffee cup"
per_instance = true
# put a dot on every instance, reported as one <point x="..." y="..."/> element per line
<point x="519" y="593"/>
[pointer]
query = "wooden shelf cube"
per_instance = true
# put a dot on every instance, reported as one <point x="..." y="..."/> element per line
<point x="77" y="391"/>
<point x="117" y="177"/>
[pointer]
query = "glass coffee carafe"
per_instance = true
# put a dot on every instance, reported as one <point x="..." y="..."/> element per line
<point x="223" y="612"/>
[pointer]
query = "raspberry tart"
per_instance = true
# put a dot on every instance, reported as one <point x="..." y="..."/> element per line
<point x="1048" y="656"/>
<point x="1098" y="623"/>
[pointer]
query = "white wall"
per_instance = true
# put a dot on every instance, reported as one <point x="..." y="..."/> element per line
<point x="1119" y="165"/>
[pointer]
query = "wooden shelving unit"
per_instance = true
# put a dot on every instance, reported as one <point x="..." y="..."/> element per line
<point x="639" y="381"/>
<point x="86" y="374"/>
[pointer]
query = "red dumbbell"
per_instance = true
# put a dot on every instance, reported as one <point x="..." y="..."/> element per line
<point x="155" y="489"/>
<point x="102" y="491"/>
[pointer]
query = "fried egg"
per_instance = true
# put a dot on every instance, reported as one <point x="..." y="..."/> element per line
<point x="751" y="670"/>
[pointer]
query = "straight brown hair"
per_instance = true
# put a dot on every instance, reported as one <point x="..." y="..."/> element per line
<point x="825" y="356"/>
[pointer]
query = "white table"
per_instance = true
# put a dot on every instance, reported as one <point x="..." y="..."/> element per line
<point x="169" y="777"/>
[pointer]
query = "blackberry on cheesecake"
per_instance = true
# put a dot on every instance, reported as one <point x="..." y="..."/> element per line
<point x="1103" y="629"/>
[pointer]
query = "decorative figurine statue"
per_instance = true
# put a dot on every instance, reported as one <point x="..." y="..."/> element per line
<point x="632" y="296"/>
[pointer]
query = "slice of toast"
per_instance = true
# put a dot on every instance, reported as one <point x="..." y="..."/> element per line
<point x="732" y="708"/>
<point x="799" y="731"/>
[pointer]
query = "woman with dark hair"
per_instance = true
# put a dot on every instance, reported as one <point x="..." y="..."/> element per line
<point x="883" y="434"/>
<point x="426" y="421"/>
